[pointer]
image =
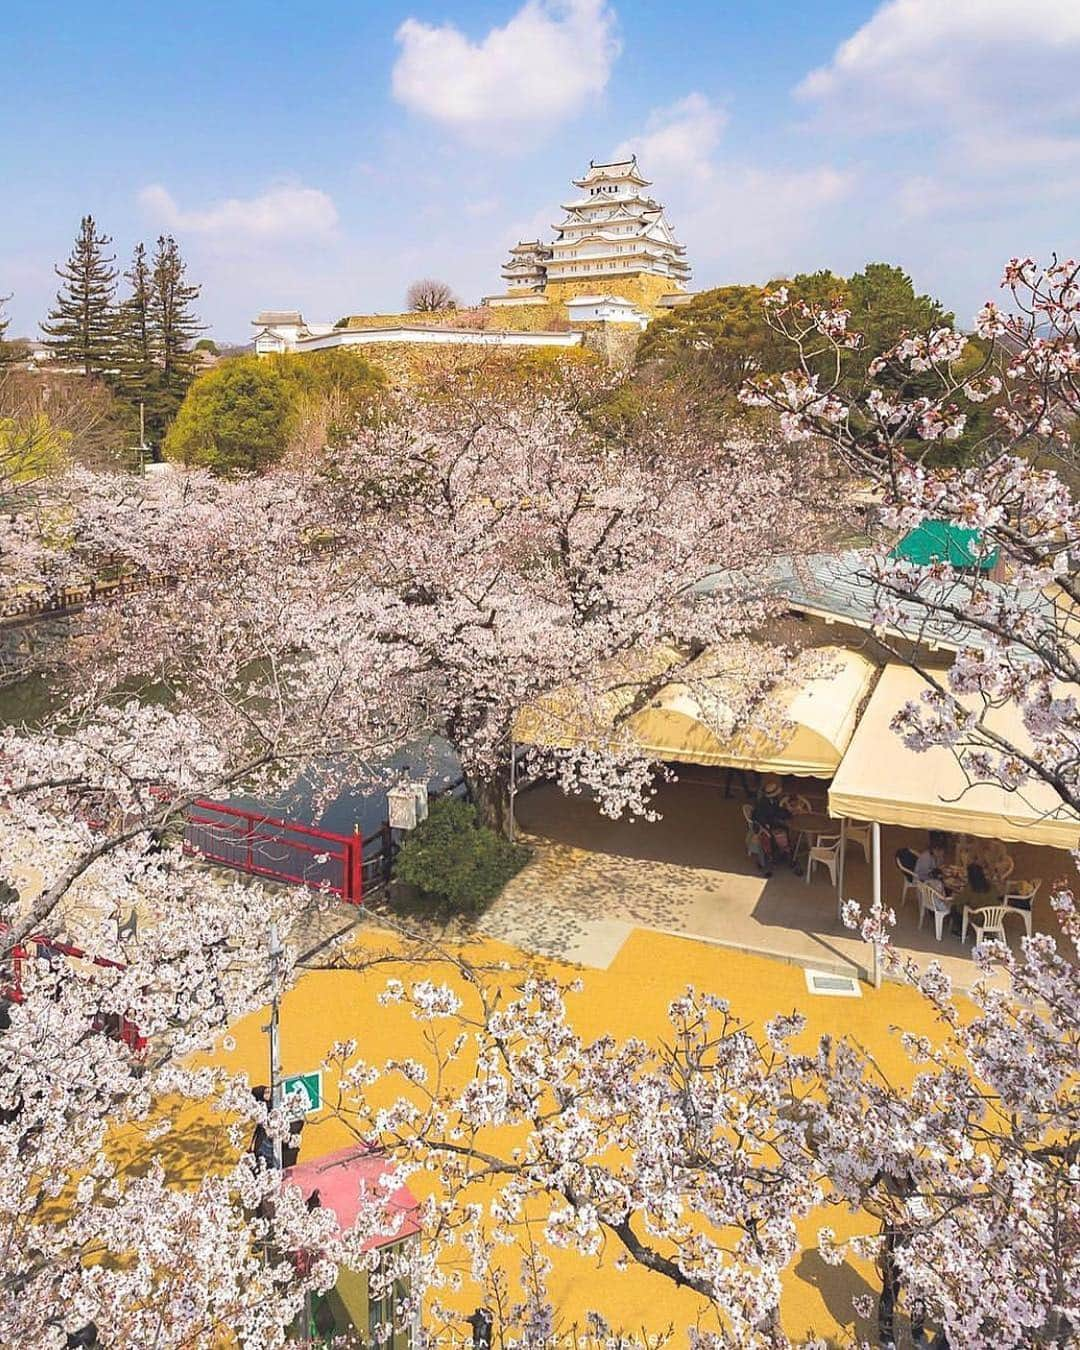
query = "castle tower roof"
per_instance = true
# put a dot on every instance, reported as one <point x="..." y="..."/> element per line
<point x="614" y="229"/>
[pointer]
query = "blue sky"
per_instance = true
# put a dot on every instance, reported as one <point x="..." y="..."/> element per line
<point x="323" y="156"/>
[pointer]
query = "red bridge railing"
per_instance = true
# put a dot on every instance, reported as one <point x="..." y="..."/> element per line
<point x="280" y="850"/>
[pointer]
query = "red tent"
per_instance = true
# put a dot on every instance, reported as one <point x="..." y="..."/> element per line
<point x="343" y="1179"/>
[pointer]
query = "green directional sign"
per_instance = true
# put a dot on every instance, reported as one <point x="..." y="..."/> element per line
<point x="308" y="1083"/>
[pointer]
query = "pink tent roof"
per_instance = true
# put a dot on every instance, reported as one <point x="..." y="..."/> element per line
<point x="345" y="1177"/>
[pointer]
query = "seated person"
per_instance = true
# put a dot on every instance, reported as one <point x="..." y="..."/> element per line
<point x="929" y="862"/>
<point x="771" y="820"/>
<point x="940" y="899"/>
<point x="978" y="883"/>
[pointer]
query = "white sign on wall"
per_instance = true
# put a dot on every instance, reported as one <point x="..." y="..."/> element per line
<point x="407" y="805"/>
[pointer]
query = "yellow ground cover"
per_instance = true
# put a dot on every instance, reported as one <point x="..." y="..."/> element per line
<point x="629" y="998"/>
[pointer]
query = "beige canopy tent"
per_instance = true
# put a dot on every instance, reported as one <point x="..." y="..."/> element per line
<point x="881" y="780"/>
<point x="700" y="719"/>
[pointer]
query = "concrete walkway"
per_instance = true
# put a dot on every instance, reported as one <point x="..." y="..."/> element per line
<point x="593" y="880"/>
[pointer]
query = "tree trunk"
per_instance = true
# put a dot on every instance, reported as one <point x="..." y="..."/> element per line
<point x="491" y="797"/>
<point x="890" y="1288"/>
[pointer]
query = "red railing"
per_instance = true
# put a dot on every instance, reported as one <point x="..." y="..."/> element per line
<point x="115" y="1025"/>
<point x="281" y="850"/>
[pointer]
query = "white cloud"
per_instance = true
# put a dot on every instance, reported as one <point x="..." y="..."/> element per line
<point x="967" y="113"/>
<point x="946" y="62"/>
<point x="539" y="69"/>
<point x="679" y="141"/>
<point x="739" y="221"/>
<point x="281" y="213"/>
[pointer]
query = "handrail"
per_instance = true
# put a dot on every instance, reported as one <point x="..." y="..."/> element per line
<point x="254" y="842"/>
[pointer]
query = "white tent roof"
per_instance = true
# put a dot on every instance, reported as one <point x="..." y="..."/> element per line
<point x="695" y="720"/>
<point x="881" y="779"/>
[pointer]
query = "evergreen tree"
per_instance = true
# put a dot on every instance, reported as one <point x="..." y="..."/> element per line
<point x="137" y="356"/>
<point x="174" y="328"/>
<point x="8" y="350"/>
<point x="82" y="328"/>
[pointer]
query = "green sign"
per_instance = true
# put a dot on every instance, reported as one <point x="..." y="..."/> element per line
<point x="308" y="1083"/>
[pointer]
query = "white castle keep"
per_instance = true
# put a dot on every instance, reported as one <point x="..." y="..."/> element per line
<point x="613" y="229"/>
<point x="613" y="238"/>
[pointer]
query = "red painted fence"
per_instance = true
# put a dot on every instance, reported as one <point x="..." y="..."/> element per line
<point x="278" y="849"/>
<point x="115" y="1025"/>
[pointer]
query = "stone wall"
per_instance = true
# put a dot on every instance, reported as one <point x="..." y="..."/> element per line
<point x="644" y="290"/>
<point x="408" y="363"/>
<point x="542" y="317"/>
<point x="614" y="343"/>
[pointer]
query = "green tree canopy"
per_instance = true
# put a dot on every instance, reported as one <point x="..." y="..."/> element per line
<point x="246" y="412"/>
<point x="456" y="860"/>
<point x="234" y="419"/>
<point x="137" y="366"/>
<point x="9" y="351"/>
<point x="721" y="337"/>
<point x="337" y="371"/>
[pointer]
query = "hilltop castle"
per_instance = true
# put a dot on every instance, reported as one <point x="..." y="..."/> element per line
<point x="613" y="264"/>
<point x="612" y="230"/>
<point x="614" y="238"/>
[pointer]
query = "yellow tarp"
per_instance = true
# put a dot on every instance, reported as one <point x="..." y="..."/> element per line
<point x="693" y="721"/>
<point x="881" y="779"/>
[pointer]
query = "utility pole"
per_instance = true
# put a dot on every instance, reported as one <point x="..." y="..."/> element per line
<point x="276" y="1087"/>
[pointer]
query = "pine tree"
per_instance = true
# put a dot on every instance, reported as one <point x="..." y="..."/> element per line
<point x="82" y="327"/>
<point x="9" y="351"/>
<point x="174" y="328"/>
<point x="137" y="353"/>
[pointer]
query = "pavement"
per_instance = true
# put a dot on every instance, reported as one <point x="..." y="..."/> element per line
<point x="627" y="996"/>
<point x="593" y="880"/>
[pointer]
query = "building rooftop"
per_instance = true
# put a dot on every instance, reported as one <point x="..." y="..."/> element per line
<point x="839" y="588"/>
<point x="269" y="317"/>
<point x="345" y="1178"/>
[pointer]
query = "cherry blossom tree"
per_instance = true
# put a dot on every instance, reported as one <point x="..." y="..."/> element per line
<point x="700" y="1158"/>
<point x="1015" y="493"/>
<point x="1002" y="1138"/>
<point x="462" y="557"/>
<point x="195" y="683"/>
<point x="515" y="546"/>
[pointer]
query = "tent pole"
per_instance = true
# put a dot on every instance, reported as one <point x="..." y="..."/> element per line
<point x="875" y="834"/>
<point x="840" y="866"/>
<point x="513" y="785"/>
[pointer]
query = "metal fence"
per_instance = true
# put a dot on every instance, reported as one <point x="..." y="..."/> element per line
<point x="280" y="850"/>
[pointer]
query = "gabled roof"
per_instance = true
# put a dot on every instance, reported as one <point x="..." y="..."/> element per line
<point x="614" y="169"/>
<point x="840" y="587"/>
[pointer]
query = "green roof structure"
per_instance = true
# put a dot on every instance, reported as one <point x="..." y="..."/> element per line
<point x="939" y="541"/>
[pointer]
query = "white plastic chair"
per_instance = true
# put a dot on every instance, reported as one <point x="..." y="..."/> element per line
<point x="911" y="885"/>
<point x="827" y="852"/>
<point x="931" y="901"/>
<point x="988" y="922"/>
<point x="859" y="832"/>
<point x="1025" y="891"/>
